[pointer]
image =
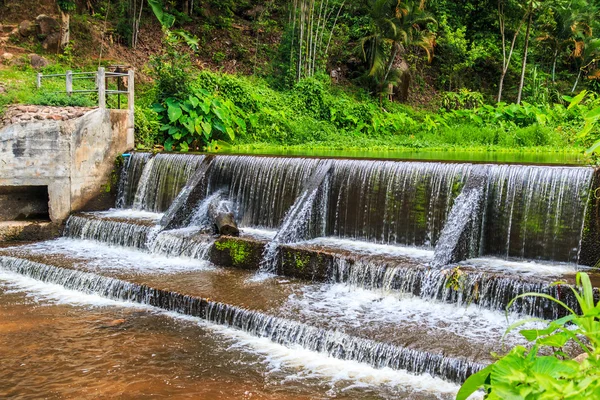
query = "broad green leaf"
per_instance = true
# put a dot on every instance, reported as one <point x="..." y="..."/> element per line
<point x="577" y="99"/>
<point x="593" y="115"/>
<point x="206" y="128"/>
<point x="184" y="146"/>
<point x="169" y="144"/>
<point x="157" y="108"/>
<point x="186" y="106"/>
<point x="166" y="20"/>
<point x="194" y="101"/>
<point x="174" y="112"/>
<point x="474" y="382"/>
<point x="218" y="125"/>
<point x="556" y="340"/>
<point x="594" y="147"/>
<point x="230" y="133"/>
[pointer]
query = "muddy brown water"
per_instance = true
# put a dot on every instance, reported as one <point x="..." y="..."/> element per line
<point x="62" y="351"/>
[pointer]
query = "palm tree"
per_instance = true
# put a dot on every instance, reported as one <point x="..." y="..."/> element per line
<point x="397" y="26"/>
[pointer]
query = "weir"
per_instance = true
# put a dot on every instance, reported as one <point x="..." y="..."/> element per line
<point x="335" y="344"/>
<point x="447" y="236"/>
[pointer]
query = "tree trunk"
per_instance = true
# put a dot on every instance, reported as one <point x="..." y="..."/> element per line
<point x="226" y="225"/>
<point x="576" y="81"/>
<point x="501" y="85"/>
<point x="525" y="52"/>
<point x="554" y="65"/>
<point x="220" y="213"/>
<point x="65" y="32"/>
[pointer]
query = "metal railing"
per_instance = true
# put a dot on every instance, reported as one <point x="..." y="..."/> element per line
<point x="101" y="77"/>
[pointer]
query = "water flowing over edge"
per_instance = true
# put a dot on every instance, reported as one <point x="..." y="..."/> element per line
<point x="278" y="330"/>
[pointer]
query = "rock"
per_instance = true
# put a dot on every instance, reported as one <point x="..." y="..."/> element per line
<point x="46" y="26"/>
<point x="26" y="28"/>
<point x="37" y="62"/>
<point x="581" y="357"/>
<point x="52" y="42"/>
<point x="7" y="56"/>
<point x="2" y="89"/>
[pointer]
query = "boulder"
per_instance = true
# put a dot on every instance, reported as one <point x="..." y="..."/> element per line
<point x="52" y="42"/>
<point x="37" y="62"/>
<point x="7" y="56"/>
<point x="46" y="26"/>
<point x="26" y="28"/>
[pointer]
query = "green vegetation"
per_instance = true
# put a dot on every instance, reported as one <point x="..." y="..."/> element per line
<point x="238" y="250"/>
<point x="320" y="115"/>
<point x="528" y="374"/>
<point x="486" y="75"/>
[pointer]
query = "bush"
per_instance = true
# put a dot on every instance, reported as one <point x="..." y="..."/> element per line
<point x="524" y="374"/>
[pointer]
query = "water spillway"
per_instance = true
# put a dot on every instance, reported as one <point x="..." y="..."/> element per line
<point x="402" y="245"/>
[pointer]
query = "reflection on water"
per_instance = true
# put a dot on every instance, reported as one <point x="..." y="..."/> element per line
<point x="562" y="158"/>
<point x="63" y="344"/>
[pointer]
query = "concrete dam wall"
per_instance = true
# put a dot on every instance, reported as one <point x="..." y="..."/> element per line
<point x="54" y="162"/>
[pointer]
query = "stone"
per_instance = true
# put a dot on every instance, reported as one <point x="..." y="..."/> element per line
<point x="581" y="357"/>
<point x="7" y="56"/>
<point x="37" y="62"/>
<point x="26" y="28"/>
<point x="2" y="89"/>
<point x="46" y="26"/>
<point x="52" y="42"/>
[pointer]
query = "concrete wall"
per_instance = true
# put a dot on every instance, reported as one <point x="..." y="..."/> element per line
<point x="74" y="158"/>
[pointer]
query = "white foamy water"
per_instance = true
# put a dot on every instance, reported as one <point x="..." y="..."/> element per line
<point x="41" y="292"/>
<point x="370" y="248"/>
<point x="358" y="307"/>
<point x="100" y="257"/>
<point x="309" y="365"/>
<point x="523" y="268"/>
<point x="128" y="213"/>
<point x="295" y="362"/>
<point x="260" y="234"/>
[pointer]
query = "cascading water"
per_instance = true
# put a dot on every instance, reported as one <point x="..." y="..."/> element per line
<point x="131" y="173"/>
<point x="290" y="333"/>
<point x="535" y="212"/>
<point x="393" y="202"/>
<point x="461" y="210"/>
<point x="262" y="189"/>
<point x="463" y="287"/>
<point x="106" y="231"/>
<point x="161" y="180"/>
<point x="307" y="211"/>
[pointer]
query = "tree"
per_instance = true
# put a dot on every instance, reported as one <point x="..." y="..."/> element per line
<point x="506" y="57"/>
<point x="65" y="7"/>
<point x="312" y="25"/>
<point x="530" y="10"/>
<point x="397" y="26"/>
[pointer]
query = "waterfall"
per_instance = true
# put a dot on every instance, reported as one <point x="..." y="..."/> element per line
<point x="279" y="330"/>
<point x="486" y="290"/>
<point x="161" y="179"/>
<point x="459" y="237"/>
<point x="308" y="210"/>
<point x="262" y="189"/>
<point x="535" y="212"/>
<point x="131" y="173"/>
<point x="107" y="231"/>
<point x="393" y="202"/>
<point x="181" y="243"/>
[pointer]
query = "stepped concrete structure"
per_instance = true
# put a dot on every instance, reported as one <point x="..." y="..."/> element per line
<point x="54" y="162"/>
